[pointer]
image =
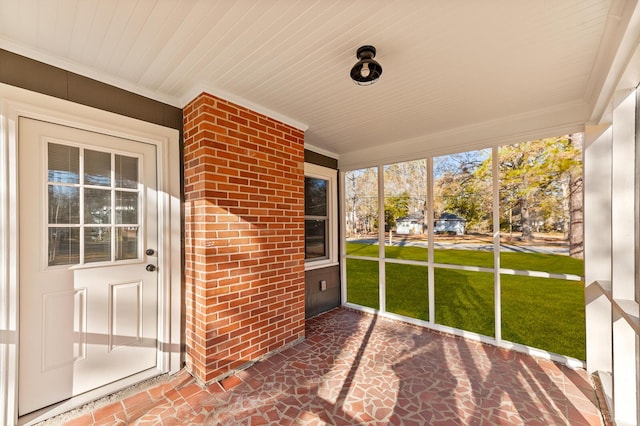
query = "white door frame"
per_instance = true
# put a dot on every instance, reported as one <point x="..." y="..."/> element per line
<point x="15" y="103"/>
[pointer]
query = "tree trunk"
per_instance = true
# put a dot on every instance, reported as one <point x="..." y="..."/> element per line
<point x="576" y="230"/>
<point x="566" y="207"/>
<point x="525" y="220"/>
<point x="576" y="206"/>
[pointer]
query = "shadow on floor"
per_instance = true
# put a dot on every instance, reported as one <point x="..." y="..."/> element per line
<point x="357" y="369"/>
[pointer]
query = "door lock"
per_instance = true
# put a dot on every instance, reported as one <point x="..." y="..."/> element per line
<point x="150" y="252"/>
<point x="150" y="267"/>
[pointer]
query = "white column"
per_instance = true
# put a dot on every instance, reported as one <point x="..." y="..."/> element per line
<point x="624" y="253"/>
<point x="597" y="245"/>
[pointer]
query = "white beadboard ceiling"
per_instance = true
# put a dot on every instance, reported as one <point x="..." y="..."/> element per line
<point x="450" y="68"/>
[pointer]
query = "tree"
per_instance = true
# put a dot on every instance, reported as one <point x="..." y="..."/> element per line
<point x="540" y="190"/>
<point x="405" y="190"/>
<point x="394" y="208"/>
<point x="519" y="174"/>
<point x="541" y="185"/>
<point x="361" y="197"/>
<point x="569" y="157"/>
<point x="463" y="187"/>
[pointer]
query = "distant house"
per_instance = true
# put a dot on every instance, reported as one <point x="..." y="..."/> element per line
<point x="410" y="225"/>
<point x="449" y="223"/>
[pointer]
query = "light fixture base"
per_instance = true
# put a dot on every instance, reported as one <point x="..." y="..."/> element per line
<point x="366" y="52"/>
<point x="366" y="71"/>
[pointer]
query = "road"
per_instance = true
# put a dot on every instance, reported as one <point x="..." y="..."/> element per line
<point x="462" y="245"/>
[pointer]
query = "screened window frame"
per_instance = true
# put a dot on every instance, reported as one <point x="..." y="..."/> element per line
<point x="496" y="270"/>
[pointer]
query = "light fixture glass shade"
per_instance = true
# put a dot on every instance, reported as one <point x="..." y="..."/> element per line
<point x="366" y="71"/>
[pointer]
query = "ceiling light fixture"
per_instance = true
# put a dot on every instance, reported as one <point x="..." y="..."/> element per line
<point x="366" y="71"/>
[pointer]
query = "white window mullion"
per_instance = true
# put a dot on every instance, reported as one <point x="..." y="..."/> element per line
<point x="382" y="288"/>
<point x="495" y="174"/>
<point x="82" y="218"/>
<point x="430" y="242"/>
<point x="112" y="220"/>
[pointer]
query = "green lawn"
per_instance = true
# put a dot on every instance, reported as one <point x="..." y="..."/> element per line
<point x="551" y="263"/>
<point x="540" y="312"/>
<point x="406" y="289"/>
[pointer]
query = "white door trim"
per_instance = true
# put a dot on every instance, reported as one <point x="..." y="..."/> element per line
<point x="15" y="103"/>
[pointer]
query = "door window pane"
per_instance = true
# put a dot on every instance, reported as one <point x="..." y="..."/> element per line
<point x="126" y="172"/>
<point x="63" y="163"/>
<point x="64" y="246"/>
<point x="64" y="204"/>
<point x="127" y="242"/>
<point x="97" y="206"/>
<point x="97" y="244"/>
<point x="126" y="207"/>
<point x="97" y="168"/>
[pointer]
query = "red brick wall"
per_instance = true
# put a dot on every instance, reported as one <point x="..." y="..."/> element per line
<point x="244" y="236"/>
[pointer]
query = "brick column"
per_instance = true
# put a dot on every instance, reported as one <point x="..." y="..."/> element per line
<point x="244" y="239"/>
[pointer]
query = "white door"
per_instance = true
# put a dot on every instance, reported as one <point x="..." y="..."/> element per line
<point x="88" y="284"/>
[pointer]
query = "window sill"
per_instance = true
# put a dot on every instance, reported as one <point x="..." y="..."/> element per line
<point x="310" y="266"/>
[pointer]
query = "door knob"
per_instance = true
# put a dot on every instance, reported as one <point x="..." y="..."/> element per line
<point x="150" y="267"/>
<point x="150" y="252"/>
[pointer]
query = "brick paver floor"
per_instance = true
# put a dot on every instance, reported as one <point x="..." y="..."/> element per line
<point x="357" y="369"/>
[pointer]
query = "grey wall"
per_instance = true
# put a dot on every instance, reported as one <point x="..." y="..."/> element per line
<point x="29" y="74"/>
<point x="318" y="301"/>
<point x="320" y="160"/>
